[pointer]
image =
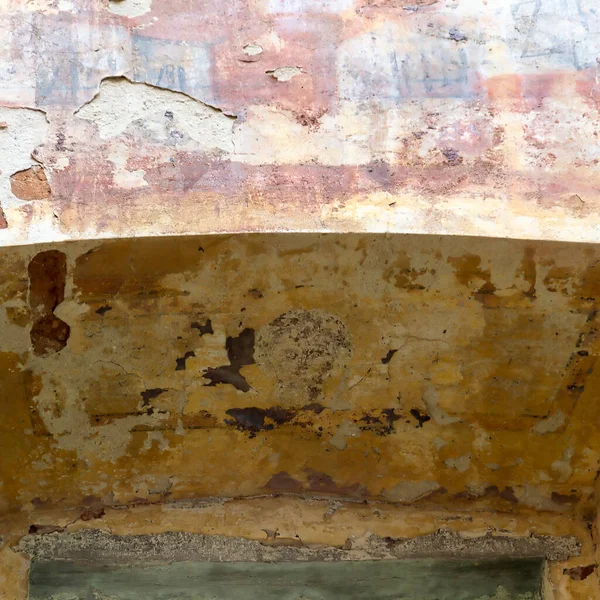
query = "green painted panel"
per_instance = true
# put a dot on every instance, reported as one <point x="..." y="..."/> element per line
<point x="364" y="580"/>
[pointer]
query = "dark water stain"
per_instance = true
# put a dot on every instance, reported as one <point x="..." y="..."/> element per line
<point x="388" y="357"/>
<point x="564" y="498"/>
<point x="420" y="415"/>
<point x="205" y="329"/>
<point x="181" y="362"/>
<point x="150" y="394"/>
<point x="240" y="351"/>
<point x="252" y="419"/>
<point x="381" y="424"/>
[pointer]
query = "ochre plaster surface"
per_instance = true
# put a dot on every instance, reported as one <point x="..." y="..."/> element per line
<point x="439" y="380"/>
<point x="409" y="369"/>
<point x="434" y="374"/>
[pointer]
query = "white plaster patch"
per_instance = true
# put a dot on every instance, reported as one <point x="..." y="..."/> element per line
<point x="121" y="103"/>
<point x="68" y="421"/>
<point x="461" y="463"/>
<point x="130" y="8"/>
<point x="345" y="429"/>
<point x="273" y="136"/>
<point x="430" y="399"/>
<point x="553" y="423"/>
<point x="563" y="467"/>
<point x="252" y="49"/>
<point x="284" y="74"/>
<point x="122" y="177"/>
<point x="534" y="498"/>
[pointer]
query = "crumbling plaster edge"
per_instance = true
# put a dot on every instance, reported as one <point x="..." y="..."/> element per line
<point x="90" y="546"/>
<point x="231" y="529"/>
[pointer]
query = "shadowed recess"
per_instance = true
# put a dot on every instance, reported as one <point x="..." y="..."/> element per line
<point x="365" y="580"/>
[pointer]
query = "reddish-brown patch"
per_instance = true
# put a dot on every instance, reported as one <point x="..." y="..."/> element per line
<point x="30" y="184"/>
<point x="283" y="482"/>
<point x="47" y="278"/>
<point x="323" y="483"/>
<point x="580" y="573"/>
<point x="49" y="335"/>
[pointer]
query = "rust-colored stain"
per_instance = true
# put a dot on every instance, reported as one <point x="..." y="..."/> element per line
<point x="47" y="277"/>
<point x="30" y="184"/>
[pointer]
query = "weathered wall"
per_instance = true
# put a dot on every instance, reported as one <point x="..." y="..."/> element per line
<point x="293" y="529"/>
<point x="413" y="369"/>
<point x="445" y="374"/>
<point x="457" y="117"/>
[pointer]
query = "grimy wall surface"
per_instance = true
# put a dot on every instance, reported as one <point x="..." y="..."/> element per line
<point x="130" y="117"/>
<point x="298" y="390"/>
<point x="339" y="385"/>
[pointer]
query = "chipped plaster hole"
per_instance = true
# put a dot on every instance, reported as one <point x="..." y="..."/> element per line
<point x="49" y="335"/>
<point x="3" y="221"/>
<point x="47" y="278"/>
<point x="252" y="49"/>
<point x="30" y="184"/>
<point x="129" y="8"/>
<point x="580" y="573"/>
<point x="284" y="74"/>
<point x="456" y="35"/>
<point x="240" y="351"/>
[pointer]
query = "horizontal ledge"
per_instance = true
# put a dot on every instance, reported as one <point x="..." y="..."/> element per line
<point x="91" y="546"/>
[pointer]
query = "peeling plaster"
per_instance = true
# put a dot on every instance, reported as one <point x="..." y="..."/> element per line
<point x="25" y="129"/>
<point x="285" y="74"/>
<point x="163" y="115"/>
<point x="284" y="357"/>
<point x="130" y="8"/>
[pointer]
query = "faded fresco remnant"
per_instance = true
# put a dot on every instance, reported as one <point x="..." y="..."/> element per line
<point x="424" y="117"/>
<point x="311" y="279"/>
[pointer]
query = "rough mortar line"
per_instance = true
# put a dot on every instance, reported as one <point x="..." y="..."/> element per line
<point x="91" y="546"/>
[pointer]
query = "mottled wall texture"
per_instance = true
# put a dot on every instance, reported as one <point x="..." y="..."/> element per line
<point x="431" y="373"/>
<point x="300" y="274"/>
<point x="130" y="117"/>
